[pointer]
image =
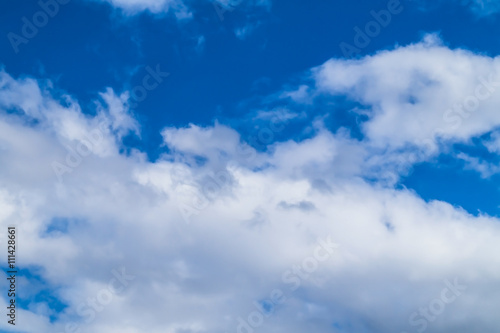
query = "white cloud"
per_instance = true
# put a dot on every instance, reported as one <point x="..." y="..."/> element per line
<point x="300" y="95"/>
<point x="253" y="224"/>
<point x="419" y="93"/>
<point x="246" y="30"/>
<point x="419" y="99"/>
<point x="485" y="169"/>
<point x="181" y="8"/>
<point x="178" y="7"/>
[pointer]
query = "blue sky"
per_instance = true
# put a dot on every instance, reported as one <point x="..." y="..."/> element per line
<point x="210" y="147"/>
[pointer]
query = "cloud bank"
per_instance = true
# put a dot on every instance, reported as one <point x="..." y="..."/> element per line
<point x="216" y="235"/>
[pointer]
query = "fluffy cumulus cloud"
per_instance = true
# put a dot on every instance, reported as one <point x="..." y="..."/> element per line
<point x="216" y="236"/>
<point x="418" y="99"/>
<point x="419" y="93"/>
